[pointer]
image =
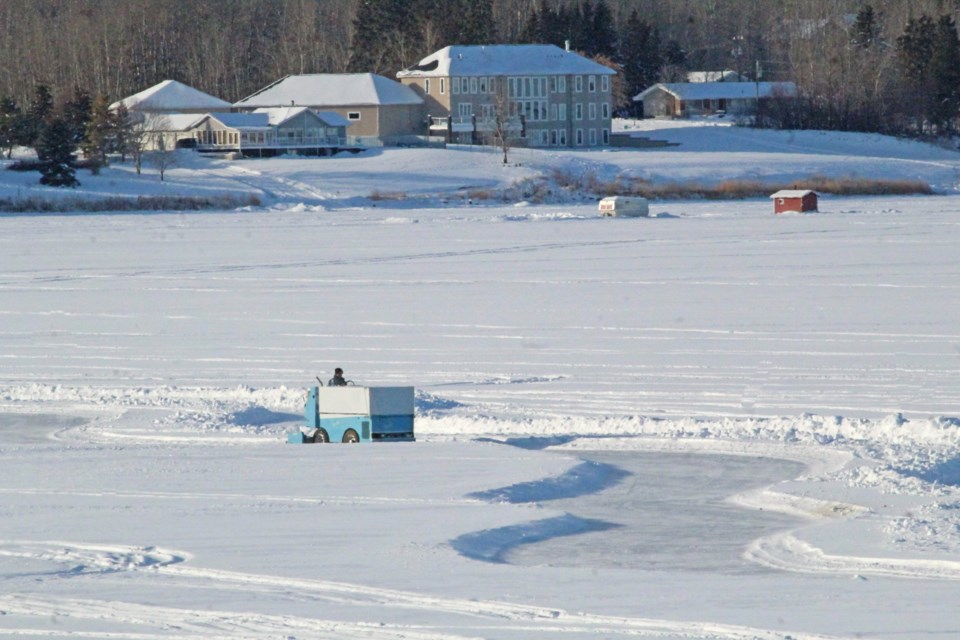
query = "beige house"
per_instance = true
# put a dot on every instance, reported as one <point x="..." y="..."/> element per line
<point x="379" y="110"/>
<point x="686" y="99"/>
<point x="554" y="97"/>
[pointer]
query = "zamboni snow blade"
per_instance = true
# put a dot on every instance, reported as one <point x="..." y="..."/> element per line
<point x="356" y="414"/>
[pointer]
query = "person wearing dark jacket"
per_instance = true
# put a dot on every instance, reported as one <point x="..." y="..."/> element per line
<point x="337" y="380"/>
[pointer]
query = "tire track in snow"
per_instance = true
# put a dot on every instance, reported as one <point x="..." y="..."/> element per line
<point x="786" y="552"/>
<point x="190" y="623"/>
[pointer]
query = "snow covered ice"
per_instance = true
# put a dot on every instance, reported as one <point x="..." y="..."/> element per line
<point x="714" y="423"/>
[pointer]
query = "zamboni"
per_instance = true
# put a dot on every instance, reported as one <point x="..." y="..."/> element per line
<point x="356" y="414"/>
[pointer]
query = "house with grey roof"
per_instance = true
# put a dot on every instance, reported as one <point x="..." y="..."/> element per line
<point x="378" y="109"/>
<point x="553" y="97"/>
<point x="686" y="99"/>
<point x="269" y="132"/>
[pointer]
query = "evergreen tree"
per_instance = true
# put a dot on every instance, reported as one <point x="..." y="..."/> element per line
<point x="639" y="51"/>
<point x="55" y="151"/>
<point x="945" y="74"/>
<point x="866" y="31"/>
<point x="602" y="34"/>
<point x="377" y="29"/>
<point x="77" y="113"/>
<point x="557" y="25"/>
<point x="10" y="121"/>
<point x="38" y="115"/>
<point x="581" y="31"/>
<point x="674" y="62"/>
<point x="98" y="132"/>
<point x="474" y="19"/>
<point x="121" y="135"/>
<point x="914" y="51"/>
<point x="532" y="31"/>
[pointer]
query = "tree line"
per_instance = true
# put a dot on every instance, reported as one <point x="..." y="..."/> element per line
<point x="889" y="66"/>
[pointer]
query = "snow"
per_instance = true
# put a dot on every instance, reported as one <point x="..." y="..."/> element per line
<point x="171" y="95"/>
<point x="711" y="423"/>
<point x="332" y="90"/>
<point x="503" y="59"/>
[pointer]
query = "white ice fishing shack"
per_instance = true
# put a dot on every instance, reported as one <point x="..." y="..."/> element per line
<point x="356" y="414"/>
<point x="624" y="207"/>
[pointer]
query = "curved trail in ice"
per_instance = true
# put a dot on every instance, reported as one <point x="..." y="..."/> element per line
<point x="786" y="552"/>
<point x="88" y="559"/>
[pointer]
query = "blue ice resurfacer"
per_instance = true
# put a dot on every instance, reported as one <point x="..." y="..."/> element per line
<point x="356" y="414"/>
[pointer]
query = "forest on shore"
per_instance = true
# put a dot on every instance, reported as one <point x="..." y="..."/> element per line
<point x="891" y="66"/>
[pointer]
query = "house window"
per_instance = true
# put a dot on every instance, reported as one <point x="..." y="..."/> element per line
<point x="513" y="88"/>
<point x="483" y="85"/>
<point x="578" y="111"/>
<point x="605" y="109"/>
<point x="553" y="84"/>
<point x="553" y="112"/>
<point x="527" y="91"/>
<point x="562" y="116"/>
<point x="562" y="84"/>
<point x="466" y="109"/>
<point x="464" y="85"/>
<point x="473" y="85"/>
<point x="606" y="135"/>
<point x="454" y="86"/>
<point x="553" y="137"/>
<point x="604" y="83"/>
<point x="563" y="137"/>
<point x="353" y="115"/>
<point x="443" y="88"/>
<point x="426" y="86"/>
<point x="544" y="137"/>
<point x="592" y="111"/>
<point x="591" y="83"/>
<point x="593" y="137"/>
<point x="579" y="137"/>
<point x="578" y="84"/>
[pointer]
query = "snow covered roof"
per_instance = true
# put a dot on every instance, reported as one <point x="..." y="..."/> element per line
<point x="721" y="90"/>
<point x="792" y="193"/>
<point x="170" y="121"/>
<point x="727" y="75"/>
<point x="172" y="96"/>
<point x="503" y="60"/>
<point x="240" y="120"/>
<point x="333" y="119"/>
<point x="332" y="90"/>
<point x="279" y="115"/>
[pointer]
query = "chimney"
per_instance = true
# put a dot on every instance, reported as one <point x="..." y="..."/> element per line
<point x="566" y="45"/>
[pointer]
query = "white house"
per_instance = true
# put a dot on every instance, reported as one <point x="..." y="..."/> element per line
<point x="171" y="96"/>
<point x="379" y="110"/>
<point x="556" y="97"/>
<point x="684" y="99"/>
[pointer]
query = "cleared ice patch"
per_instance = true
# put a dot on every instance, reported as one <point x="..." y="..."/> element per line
<point x="33" y="428"/>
